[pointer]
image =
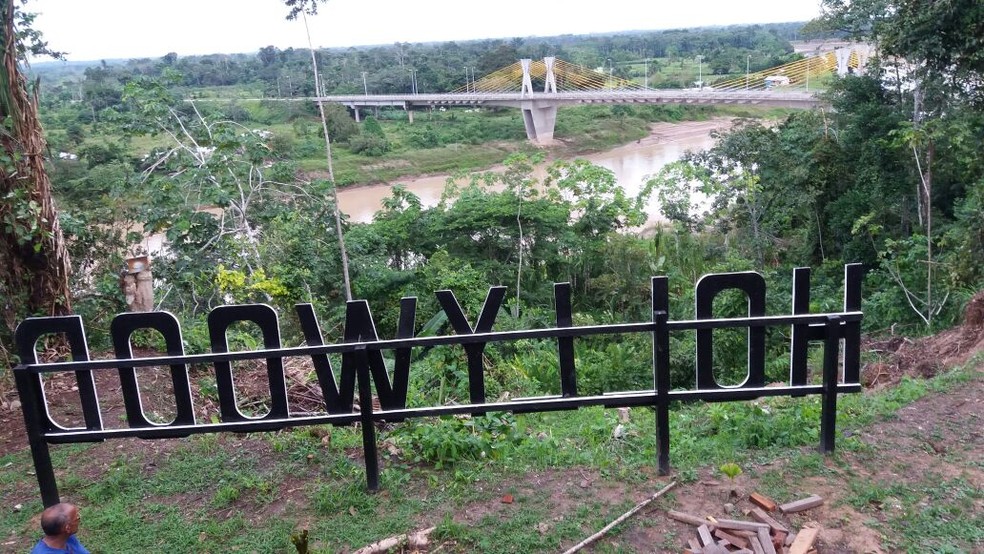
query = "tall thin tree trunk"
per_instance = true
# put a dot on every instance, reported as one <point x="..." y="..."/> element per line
<point x="34" y="261"/>
<point x="519" y="268"/>
<point x="331" y="171"/>
<point x="927" y="181"/>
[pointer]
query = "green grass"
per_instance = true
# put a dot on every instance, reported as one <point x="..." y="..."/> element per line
<point x="933" y="516"/>
<point x="204" y="493"/>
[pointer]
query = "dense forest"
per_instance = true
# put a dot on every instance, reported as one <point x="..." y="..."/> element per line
<point x="889" y="176"/>
<point x="438" y="67"/>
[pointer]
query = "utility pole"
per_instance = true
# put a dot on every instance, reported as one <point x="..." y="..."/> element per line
<point x="365" y="87"/>
<point x="700" y="72"/>
<point x="748" y="58"/>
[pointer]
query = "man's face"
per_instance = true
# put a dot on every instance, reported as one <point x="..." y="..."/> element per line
<point x="74" y="518"/>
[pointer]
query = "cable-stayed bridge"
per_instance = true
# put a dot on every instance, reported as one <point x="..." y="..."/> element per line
<point x="539" y="87"/>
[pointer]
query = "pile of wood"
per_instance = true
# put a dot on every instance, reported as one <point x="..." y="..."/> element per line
<point x="761" y="534"/>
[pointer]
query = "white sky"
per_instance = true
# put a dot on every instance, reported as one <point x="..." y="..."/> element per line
<point x="103" y="29"/>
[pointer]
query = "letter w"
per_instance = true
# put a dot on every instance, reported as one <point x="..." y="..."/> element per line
<point x="359" y="327"/>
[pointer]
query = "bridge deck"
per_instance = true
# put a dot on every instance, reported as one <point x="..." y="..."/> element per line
<point x="798" y="99"/>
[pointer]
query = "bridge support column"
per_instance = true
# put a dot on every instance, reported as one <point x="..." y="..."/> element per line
<point x="539" y="121"/>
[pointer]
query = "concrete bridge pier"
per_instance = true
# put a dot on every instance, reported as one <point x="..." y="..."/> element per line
<point x="539" y="120"/>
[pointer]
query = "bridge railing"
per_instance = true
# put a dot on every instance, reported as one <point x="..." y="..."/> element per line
<point x="364" y="367"/>
<point x="614" y="94"/>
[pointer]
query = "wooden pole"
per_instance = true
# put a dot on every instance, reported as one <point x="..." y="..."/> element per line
<point x="620" y="519"/>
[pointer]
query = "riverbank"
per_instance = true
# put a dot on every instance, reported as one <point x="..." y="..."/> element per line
<point x="631" y="163"/>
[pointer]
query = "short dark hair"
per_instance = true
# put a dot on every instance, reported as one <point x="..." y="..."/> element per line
<point x="55" y="518"/>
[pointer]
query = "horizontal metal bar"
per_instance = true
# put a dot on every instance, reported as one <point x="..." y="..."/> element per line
<point x="537" y="404"/>
<point x="499" y="336"/>
<point x="733" y="394"/>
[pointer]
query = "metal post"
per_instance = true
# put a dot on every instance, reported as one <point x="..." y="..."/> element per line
<point x="368" y="427"/>
<point x="29" y="390"/>
<point x="565" y="345"/>
<point x="365" y="87"/>
<point x="611" y="70"/>
<point x="661" y="369"/>
<point x="646" y="83"/>
<point x="828" y="409"/>
<point x="748" y="58"/>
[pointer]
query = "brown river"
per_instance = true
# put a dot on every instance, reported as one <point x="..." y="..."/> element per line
<point x="631" y="163"/>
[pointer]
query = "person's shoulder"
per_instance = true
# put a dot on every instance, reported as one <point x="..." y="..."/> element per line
<point x="42" y="548"/>
<point x="73" y="541"/>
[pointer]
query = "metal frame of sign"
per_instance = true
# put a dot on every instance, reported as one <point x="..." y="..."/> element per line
<point x="363" y="365"/>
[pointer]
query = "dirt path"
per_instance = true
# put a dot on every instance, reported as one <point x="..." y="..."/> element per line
<point x="935" y="440"/>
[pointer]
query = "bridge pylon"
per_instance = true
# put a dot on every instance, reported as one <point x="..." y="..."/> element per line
<point x="550" y="81"/>
<point x="527" y="86"/>
<point x="539" y="117"/>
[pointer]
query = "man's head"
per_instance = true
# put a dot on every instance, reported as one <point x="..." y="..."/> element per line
<point x="60" y="520"/>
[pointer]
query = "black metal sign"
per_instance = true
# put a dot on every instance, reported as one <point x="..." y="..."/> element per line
<point x="363" y="365"/>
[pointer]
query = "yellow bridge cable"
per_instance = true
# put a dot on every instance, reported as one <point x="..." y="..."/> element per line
<point x="577" y="78"/>
<point x="569" y="77"/>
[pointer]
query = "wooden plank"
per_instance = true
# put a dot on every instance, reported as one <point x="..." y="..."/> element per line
<point x="789" y="539"/>
<point x="694" y="545"/>
<point x="740" y="542"/>
<point x="779" y="539"/>
<point x="800" y="505"/>
<point x="766" y="540"/>
<point x="705" y="535"/>
<point x="686" y="518"/>
<point x="759" y="514"/>
<point x="804" y="540"/>
<point x="738" y="524"/>
<point x="763" y="502"/>
<point x="756" y="545"/>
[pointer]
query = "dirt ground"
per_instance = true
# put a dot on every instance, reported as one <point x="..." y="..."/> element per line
<point x="940" y="433"/>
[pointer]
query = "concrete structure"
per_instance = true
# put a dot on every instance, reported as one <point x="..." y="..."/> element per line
<point x="540" y="108"/>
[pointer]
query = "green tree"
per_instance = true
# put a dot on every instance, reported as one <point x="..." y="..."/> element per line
<point x="940" y="39"/>
<point x="34" y="260"/>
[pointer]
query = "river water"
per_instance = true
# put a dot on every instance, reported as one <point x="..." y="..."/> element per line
<point x="631" y="163"/>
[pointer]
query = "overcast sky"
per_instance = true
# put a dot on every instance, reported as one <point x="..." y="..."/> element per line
<point x="103" y="29"/>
